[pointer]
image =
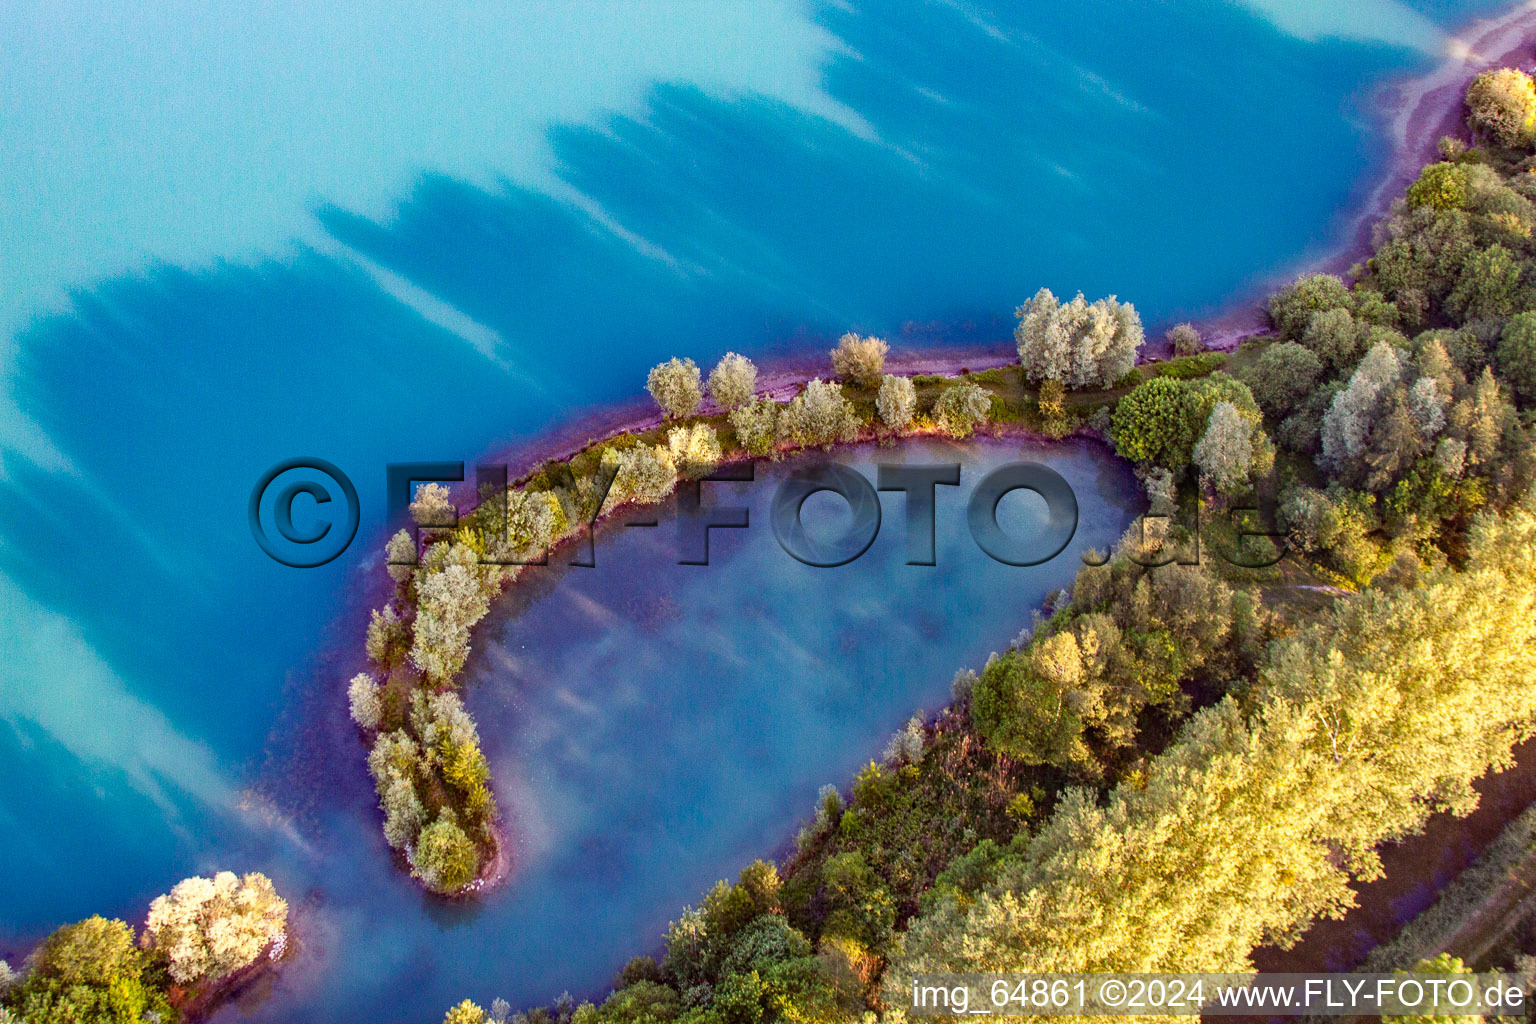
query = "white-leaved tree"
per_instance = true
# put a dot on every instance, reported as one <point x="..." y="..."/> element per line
<point x="449" y="602"/>
<point x="432" y="506"/>
<point x="676" y="387"/>
<point x="695" y="449"/>
<point x="732" y="381"/>
<point x="860" y="360"/>
<point x="1224" y="453"/>
<point x="819" y="415"/>
<point x="209" y="928"/>
<point x="1347" y="423"/>
<point x="1080" y="343"/>
<point x="896" y="402"/>
<point x="363" y="700"/>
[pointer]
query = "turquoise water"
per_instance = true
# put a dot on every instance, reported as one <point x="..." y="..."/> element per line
<point x="910" y="169"/>
<point x="653" y="727"/>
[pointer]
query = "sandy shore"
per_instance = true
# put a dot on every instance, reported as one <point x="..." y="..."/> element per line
<point x="780" y="380"/>
<point x="1415" y="114"/>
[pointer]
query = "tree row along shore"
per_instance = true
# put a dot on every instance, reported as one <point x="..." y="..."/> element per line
<point x="1252" y="734"/>
<point x="1181" y="760"/>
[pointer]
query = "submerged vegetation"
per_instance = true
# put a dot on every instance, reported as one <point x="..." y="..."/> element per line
<point x="1176" y="716"/>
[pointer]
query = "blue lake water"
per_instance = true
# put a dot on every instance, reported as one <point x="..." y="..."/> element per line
<point x="165" y="709"/>
<point x="653" y="727"/>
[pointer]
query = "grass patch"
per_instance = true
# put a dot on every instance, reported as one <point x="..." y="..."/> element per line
<point x="1189" y="367"/>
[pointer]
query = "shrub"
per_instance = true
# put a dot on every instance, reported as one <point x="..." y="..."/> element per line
<point x="1185" y="340"/>
<point x="444" y="858"/>
<point x="695" y="449"/>
<point x="860" y="360"/>
<point x="896" y="402"/>
<point x="1190" y="367"/>
<point x="1053" y="401"/>
<point x="534" y="519"/>
<point x="819" y="415"/>
<point x="961" y="408"/>
<point x="1282" y="376"/>
<point x="1079" y="343"/>
<point x="1162" y="492"/>
<point x="389" y="637"/>
<point x="1501" y="106"/>
<point x="644" y="474"/>
<point x="211" y="927"/>
<point x="400" y="556"/>
<point x="675" y="386"/>
<point x="756" y="425"/>
<point x="732" y="381"/>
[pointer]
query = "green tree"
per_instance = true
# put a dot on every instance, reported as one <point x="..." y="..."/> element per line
<point x="1489" y="285"/>
<point x="445" y="858"/>
<point x="1284" y="374"/>
<point x="1517" y="355"/>
<point x="90" y="971"/>
<point x="1356" y="730"/>
<point x="1443" y="964"/>
<point x="1291" y="309"/>
<point x="961" y="408"/>
<point x="1443" y="186"/>
<point x="1156" y="423"/>
<point x="1337" y="338"/>
<point x="1036" y="707"/>
<point x="465" y="1013"/>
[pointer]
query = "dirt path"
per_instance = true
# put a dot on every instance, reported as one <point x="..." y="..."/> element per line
<point x="1416" y="870"/>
